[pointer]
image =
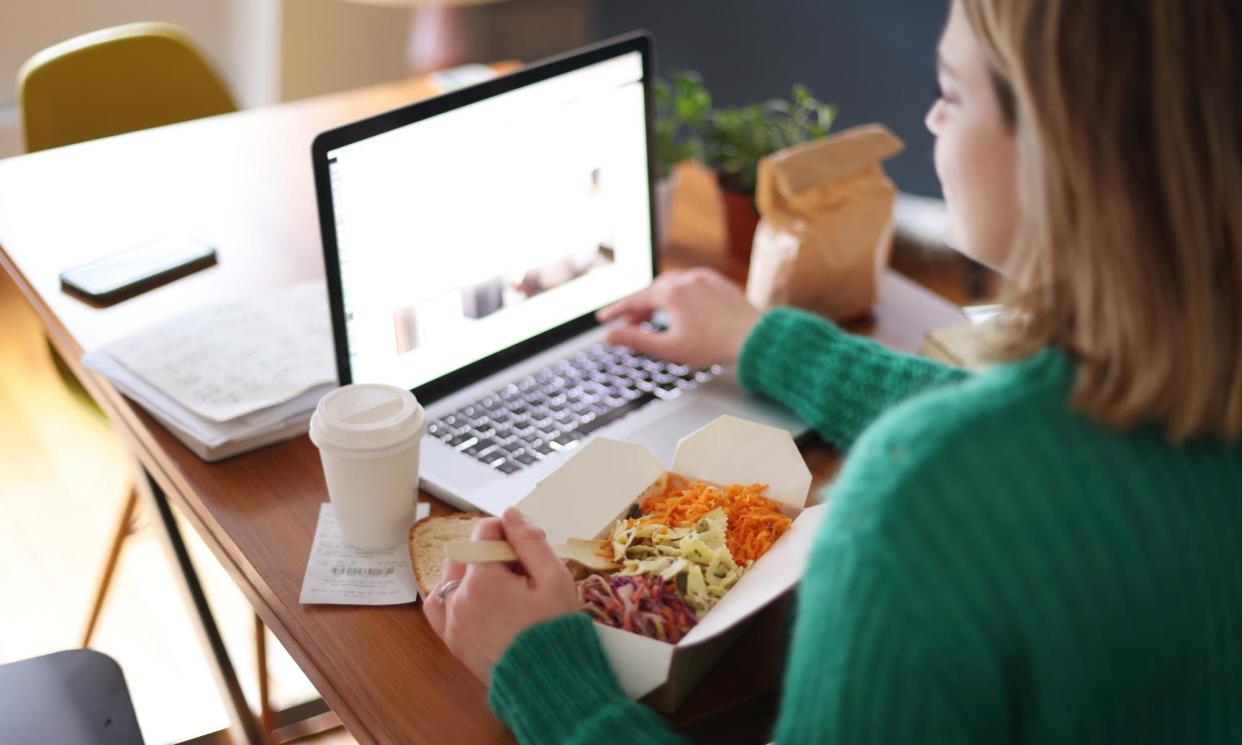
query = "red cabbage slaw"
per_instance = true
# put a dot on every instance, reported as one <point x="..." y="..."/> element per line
<point x="637" y="604"/>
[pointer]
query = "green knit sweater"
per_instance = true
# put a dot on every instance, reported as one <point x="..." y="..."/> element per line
<point x="994" y="568"/>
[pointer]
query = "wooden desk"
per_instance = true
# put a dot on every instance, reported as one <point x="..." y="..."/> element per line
<point x="243" y="181"/>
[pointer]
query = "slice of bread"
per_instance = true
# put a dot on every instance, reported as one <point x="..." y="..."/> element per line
<point x="428" y="538"/>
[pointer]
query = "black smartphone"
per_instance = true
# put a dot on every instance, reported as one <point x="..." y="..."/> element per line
<point x="138" y="269"/>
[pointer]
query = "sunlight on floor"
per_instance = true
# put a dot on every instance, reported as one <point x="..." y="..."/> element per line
<point x="63" y="477"/>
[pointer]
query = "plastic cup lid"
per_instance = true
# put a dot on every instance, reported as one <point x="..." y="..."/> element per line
<point x="366" y="416"/>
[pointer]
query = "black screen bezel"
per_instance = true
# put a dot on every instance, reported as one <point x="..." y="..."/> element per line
<point x="330" y="140"/>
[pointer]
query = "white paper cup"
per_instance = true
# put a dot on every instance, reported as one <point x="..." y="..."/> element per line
<point x="368" y="438"/>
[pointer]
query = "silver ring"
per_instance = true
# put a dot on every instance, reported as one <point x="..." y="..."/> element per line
<point x="442" y="593"/>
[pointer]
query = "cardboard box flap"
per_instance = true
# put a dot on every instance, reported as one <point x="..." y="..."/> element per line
<point x="591" y="489"/>
<point x="641" y="664"/>
<point x="831" y="158"/>
<point x="729" y="450"/>
<point x="777" y="571"/>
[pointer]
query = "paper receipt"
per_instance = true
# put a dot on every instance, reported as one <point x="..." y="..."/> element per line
<point x="340" y="575"/>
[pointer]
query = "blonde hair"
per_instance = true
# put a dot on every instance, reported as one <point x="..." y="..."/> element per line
<point x="1128" y="254"/>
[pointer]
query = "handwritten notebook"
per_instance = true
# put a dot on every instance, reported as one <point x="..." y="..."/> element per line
<point x="230" y="377"/>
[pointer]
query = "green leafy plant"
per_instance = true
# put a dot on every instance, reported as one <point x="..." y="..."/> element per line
<point x="682" y="106"/>
<point x="731" y="141"/>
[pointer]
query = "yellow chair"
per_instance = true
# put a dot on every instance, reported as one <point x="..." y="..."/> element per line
<point x="113" y="81"/>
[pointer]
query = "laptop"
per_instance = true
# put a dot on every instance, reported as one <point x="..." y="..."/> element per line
<point x="468" y="241"/>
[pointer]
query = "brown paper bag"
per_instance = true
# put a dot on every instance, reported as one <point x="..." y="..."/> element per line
<point x="826" y="226"/>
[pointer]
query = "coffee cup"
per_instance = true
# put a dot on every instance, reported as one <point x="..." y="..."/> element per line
<point x="368" y="437"/>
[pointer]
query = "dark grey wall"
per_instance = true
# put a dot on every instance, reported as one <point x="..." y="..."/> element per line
<point x="873" y="58"/>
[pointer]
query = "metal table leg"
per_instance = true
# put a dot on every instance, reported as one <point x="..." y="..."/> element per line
<point x="244" y="728"/>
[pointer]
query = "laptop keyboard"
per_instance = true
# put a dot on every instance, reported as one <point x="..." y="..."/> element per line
<point x="555" y="408"/>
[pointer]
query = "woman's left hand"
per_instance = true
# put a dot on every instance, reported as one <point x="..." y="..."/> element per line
<point x="493" y="604"/>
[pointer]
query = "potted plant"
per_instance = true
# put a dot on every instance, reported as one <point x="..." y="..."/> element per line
<point x="732" y="141"/>
<point x="681" y="107"/>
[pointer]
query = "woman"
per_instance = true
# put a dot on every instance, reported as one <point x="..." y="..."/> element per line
<point x="1049" y="552"/>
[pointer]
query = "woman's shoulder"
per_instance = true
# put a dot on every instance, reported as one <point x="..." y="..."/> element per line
<point x="964" y="440"/>
<point x="1009" y="401"/>
<point x="1008" y="445"/>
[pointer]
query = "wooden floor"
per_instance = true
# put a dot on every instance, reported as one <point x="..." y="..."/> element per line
<point x="62" y="480"/>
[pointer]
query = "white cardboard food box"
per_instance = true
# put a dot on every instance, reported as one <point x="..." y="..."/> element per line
<point x="585" y="497"/>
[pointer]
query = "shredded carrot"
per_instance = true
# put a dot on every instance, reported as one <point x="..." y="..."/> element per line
<point x="755" y="522"/>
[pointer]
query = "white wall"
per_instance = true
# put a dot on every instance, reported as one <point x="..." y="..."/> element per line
<point x="333" y="45"/>
<point x="278" y="50"/>
<point x="266" y="50"/>
<point x="26" y="26"/>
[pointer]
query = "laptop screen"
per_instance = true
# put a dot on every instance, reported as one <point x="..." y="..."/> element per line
<point x="470" y="231"/>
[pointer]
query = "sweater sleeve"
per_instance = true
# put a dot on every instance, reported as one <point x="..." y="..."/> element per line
<point x="554" y="685"/>
<point x="837" y="382"/>
<point x="894" y="641"/>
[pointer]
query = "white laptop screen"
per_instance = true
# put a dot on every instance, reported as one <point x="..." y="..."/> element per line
<point x="465" y="233"/>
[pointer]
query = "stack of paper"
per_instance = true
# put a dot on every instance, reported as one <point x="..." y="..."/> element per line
<point x="232" y="377"/>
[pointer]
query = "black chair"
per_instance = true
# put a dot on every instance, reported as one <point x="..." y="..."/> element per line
<point x="77" y="697"/>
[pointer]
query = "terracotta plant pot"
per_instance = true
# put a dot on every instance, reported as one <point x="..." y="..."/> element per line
<point x="741" y="219"/>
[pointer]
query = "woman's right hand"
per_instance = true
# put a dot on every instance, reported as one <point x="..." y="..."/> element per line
<point x="708" y="319"/>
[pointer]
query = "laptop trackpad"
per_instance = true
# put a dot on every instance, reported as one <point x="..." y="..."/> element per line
<point x="662" y="435"/>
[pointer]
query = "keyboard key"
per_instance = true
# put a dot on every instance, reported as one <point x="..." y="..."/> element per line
<point x="526" y="458"/>
<point x="461" y="442"/>
<point x="506" y="466"/>
<point x="544" y="449"/>
<point x="479" y="447"/>
<point x="564" y="441"/>
<point x="483" y="432"/>
<point x="491" y="457"/>
<point x="602" y="420"/>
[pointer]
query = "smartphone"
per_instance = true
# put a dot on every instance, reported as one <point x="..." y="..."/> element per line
<point x="138" y="269"/>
